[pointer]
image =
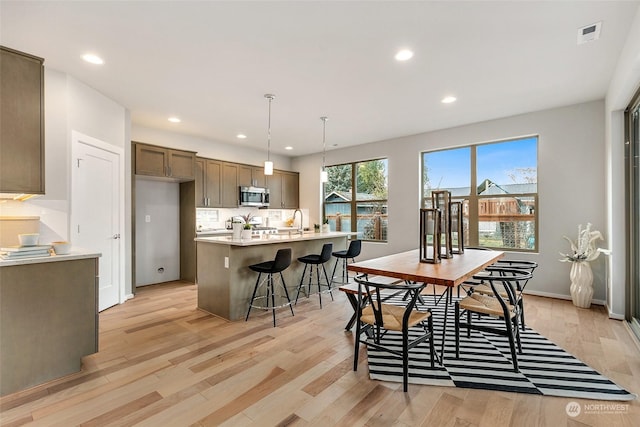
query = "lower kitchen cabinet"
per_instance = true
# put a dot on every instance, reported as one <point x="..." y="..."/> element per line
<point x="48" y="319"/>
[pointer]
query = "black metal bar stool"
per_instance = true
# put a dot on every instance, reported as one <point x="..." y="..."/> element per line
<point x="317" y="260"/>
<point x="354" y="250"/>
<point x="281" y="262"/>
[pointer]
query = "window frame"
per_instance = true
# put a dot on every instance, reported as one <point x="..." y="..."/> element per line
<point x="473" y="199"/>
<point x="354" y="202"/>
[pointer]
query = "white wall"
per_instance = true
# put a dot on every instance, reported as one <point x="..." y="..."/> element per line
<point x="157" y="241"/>
<point x="71" y="105"/>
<point x="570" y="183"/>
<point x="625" y="82"/>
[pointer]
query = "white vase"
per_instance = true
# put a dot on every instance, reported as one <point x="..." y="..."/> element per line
<point x="326" y="228"/>
<point x="246" y="234"/>
<point x="581" y="284"/>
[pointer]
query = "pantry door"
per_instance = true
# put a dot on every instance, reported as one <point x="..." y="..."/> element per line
<point x="97" y="214"/>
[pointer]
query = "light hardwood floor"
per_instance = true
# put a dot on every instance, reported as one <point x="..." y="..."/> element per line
<point x="162" y="362"/>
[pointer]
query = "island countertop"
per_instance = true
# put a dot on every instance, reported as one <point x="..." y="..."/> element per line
<point x="265" y="239"/>
<point x="225" y="281"/>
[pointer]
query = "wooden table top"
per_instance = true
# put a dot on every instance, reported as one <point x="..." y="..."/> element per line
<point x="449" y="272"/>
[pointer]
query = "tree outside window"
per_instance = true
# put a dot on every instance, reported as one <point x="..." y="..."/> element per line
<point x="358" y="191"/>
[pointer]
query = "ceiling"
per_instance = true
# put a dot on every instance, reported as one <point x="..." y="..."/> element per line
<point x="211" y="62"/>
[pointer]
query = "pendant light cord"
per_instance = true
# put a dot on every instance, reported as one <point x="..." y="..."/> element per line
<point x="270" y="98"/>
<point x="324" y="145"/>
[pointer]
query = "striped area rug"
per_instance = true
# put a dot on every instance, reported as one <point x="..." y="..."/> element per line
<point x="485" y="363"/>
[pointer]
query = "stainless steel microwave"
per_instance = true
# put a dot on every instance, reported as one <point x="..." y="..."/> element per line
<point x="254" y="196"/>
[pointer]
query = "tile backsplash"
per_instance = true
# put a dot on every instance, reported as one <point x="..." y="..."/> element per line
<point x="211" y="218"/>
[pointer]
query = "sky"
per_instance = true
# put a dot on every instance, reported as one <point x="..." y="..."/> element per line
<point x="451" y="168"/>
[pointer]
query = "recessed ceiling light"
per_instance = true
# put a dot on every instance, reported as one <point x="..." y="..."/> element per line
<point x="174" y="120"/>
<point x="288" y="147"/>
<point x="404" y="55"/>
<point x="93" y="59"/>
<point x="241" y="136"/>
<point x="448" y="99"/>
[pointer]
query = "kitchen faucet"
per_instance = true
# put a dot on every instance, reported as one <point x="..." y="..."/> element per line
<point x="300" y="229"/>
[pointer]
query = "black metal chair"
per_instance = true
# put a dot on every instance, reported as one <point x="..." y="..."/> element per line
<point x="316" y="260"/>
<point x="503" y="281"/>
<point x="378" y="318"/>
<point x="352" y="252"/>
<point x="281" y="262"/>
<point x="528" y="266"/>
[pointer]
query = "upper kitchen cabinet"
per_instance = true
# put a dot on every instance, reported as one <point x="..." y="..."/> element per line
<point x="161" y="162"/>
<point x="22" y="118"/>
<point x="230" y="187"/>
<point x="283" y="190"/>
<point x="208" y="183"/>
<point x="251" y="176"/>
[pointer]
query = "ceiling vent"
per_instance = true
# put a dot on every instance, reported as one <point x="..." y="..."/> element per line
<point x="589" y="33"/>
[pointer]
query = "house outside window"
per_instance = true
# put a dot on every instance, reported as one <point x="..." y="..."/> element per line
<point x="497" y="184"/>
<point x="355" y="199"/>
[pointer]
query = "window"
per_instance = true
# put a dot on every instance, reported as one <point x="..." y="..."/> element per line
<point x="497" y="183"/>
<point x="355" y="198"/>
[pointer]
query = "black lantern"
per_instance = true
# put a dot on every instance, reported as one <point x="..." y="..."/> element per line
<point x="457" y="226"/>
<point x="430" y="235"/>
<point x="441" y="199"/>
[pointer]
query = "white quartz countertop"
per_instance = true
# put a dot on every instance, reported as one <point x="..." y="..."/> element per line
<point x="73" y="255"/>
<point x="215" y="232"/>
<point x="266" y="239"/>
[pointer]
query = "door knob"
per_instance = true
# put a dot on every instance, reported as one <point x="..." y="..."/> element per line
<point x="116" y="236"/>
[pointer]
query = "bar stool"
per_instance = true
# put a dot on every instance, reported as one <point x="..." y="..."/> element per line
<point x="354" y="250"/>
<point x="317" y="260"/>
<point x="281" y="262"/>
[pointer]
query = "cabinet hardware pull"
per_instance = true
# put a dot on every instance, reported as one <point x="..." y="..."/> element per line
<point x="116" y="236"/>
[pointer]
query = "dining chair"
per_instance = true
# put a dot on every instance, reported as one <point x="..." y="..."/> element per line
<point x="378" y="318"/>
<point x="502" y="281"/>
<point x="528" y="266"/>
<point x="468" y="284"/>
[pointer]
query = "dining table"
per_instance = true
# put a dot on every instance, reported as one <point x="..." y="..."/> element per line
<point x="449" y="272"/>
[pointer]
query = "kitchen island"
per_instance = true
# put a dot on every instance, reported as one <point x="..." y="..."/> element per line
<point x="48" y="317"/>
<point x="225" y="282"/>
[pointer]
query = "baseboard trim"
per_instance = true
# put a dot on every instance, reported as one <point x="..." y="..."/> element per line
<point x="613" y="315"/>
<point x="560" y="296"/>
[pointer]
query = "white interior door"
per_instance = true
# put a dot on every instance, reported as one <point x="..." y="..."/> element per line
<point x="95" y="212"/>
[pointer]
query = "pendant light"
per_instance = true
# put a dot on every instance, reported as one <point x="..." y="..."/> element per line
<point x="324" y="176"/>
<point x="268" y="164"/>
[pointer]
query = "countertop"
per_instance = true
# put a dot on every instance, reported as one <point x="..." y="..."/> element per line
<point x="266" y="239"/>
<point x="214" y="232"/>
<point x="226" y="232"/>
<point x="76" y="253"/>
